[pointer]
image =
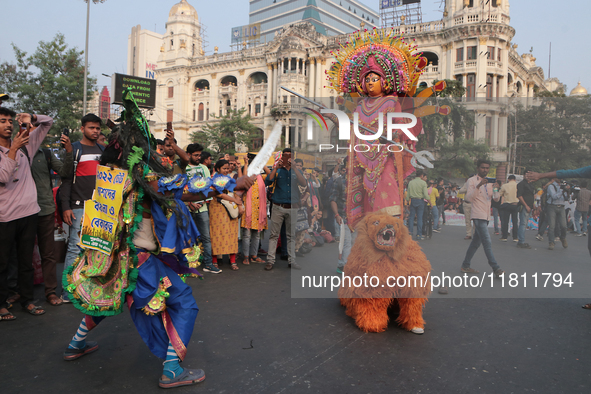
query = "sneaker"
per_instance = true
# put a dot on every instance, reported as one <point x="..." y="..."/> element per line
<point x="295" y="266"/>
<point x="523" y="246"/>
<point x="551" y="246"/>
<point x="418" y="331"/>
<point x="436" y="230"/>
<point x="584" y="234"/>
<point x="212" y="269"/>
<point x="539" y="237"/>
<point x="556" y="239"/>
<point x="262" y="252"/>
<point x="499" y="272"/>
<point x="497" y="233"/>
<point x="65" y="299"/>
<point x="420" y="237"/>
<point x="442" y="290"/>
<point x="340" y="270"/>
<point x="579" y="235"/>
<point x="469" y="270"/>
<point x="503" y="240"/>
<point x="515" y="240"/>
<point x="564" y="243"/>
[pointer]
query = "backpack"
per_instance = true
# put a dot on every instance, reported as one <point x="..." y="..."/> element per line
<point x="77" y="154"/>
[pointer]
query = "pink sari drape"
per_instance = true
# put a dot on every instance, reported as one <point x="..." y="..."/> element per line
<point x="262" y="214"/>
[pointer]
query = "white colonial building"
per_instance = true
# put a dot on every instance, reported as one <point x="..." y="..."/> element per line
<point x="472" y="43"/>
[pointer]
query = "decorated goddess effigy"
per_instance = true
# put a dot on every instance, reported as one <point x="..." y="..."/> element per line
<point x="376" y="74"/>
<point x="139" y="246"/>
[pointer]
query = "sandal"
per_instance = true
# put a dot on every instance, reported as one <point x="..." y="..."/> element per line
<point x="54" y="300"/>
<point x="35" y="310"/>
<point x="256" y="259"/>
<point x="186" y="378"/>
<point x="13" y="298"/>
<point x="234" y="267"/>
<point x="72" y="354"/>
<point x="587" y="306"/>
<point x="246" y="261"/>
<point x="7" y="316"/>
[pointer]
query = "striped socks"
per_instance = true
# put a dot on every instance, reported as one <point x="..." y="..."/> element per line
<point x="79" y="340"/>
<point x="87" y="324"/>
<point x="172" y="368"/>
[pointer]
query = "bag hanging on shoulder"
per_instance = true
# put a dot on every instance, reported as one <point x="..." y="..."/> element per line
<point x="302" y="222"/>
<point x="231" y="207"/>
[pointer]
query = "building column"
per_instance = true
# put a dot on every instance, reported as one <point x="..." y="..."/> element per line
<point x="481" y="67"/>
<point x="318" y="78"/>
<point x="298" y="66"/>
<point x="502" y="139"/>
<point x="275" y="82"/>
<point x="494" y="130"/>
<point x="480" y="129"/>
<point x="270" y="80"/>
<point x="494" y="87"/>
<point x="311" y="77"/>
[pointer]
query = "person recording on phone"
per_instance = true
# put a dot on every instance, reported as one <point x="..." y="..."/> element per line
<point x="18" y="203"/>
<point x="177" y="158"/>
<point x="79" y="186"/>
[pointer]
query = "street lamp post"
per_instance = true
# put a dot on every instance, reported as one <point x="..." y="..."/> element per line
<point x="86" y="53"/>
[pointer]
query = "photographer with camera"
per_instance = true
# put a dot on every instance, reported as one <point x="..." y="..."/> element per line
<point x="18" y="203"/>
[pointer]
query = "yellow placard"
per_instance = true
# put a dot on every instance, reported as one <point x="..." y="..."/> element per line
<point x="109" y="188"/>
<point x="98" y="228"/>
<point x="99" y="224"/>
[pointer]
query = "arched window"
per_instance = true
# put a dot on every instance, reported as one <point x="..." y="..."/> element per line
<point x="200" y="112"/>
<point x="202" y="84"/>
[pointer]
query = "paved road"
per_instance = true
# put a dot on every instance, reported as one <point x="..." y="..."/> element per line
<point x="308" y="345"/>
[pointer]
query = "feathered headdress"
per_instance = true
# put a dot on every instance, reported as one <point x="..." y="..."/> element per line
<point x="379" y="52"/>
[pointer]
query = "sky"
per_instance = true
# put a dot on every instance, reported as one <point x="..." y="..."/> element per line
<point x="537" y="23"/>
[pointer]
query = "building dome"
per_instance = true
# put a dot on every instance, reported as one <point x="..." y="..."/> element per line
<point x="183" y="9"/>
<point x="578" y="91"/>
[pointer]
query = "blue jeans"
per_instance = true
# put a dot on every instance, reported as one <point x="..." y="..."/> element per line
<point x="523" y="219"/>
<point x="496" y="219"/>
<point x="481" y="236"/>
<point x="201" y="220"/>
<point x="349" y="239"/>
<point x="578" y="216"/>
<point x="417" y="206"/>
<point x="337" y="228"/>
<point x="556" y="215"/>
<point x="435" y="213"/>
<point x="73" y="240"/>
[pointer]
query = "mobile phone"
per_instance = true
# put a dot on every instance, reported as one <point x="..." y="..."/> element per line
<point x="168" y="125"/>
<point x="66" y="132"/>
<point x="24" y="126"/>
<point x="491" y="180"/>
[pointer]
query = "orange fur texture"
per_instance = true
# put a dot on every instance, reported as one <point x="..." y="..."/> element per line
<point x="394" y="255"/>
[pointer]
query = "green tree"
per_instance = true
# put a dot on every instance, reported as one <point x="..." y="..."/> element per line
<point x="48" y="82"/>
<point x="555" y="134"/>
<point x="449" y="136"/>
<point x="232" y="129"/>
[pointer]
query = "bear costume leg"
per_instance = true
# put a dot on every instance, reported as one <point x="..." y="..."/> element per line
<point x="411" y="313"/>
<point x="370" y="314"/>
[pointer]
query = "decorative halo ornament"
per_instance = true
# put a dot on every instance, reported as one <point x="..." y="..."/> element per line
<point x="376" y="51"/>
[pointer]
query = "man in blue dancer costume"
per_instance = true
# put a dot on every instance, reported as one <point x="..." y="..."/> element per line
<point x="155" y="248"/>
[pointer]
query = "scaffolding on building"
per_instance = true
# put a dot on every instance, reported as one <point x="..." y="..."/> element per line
<point x="400" y="12"/>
